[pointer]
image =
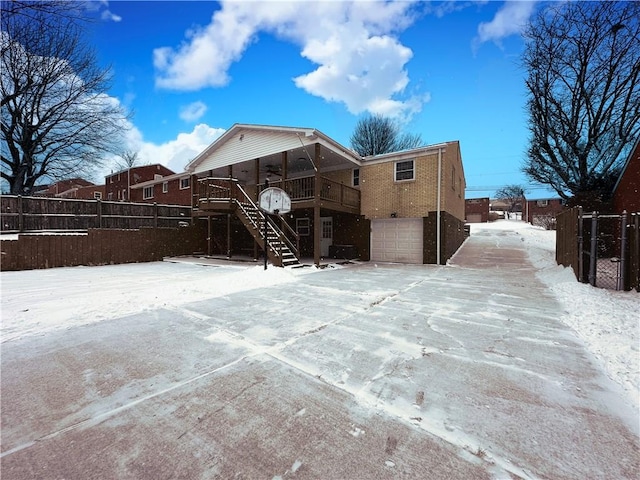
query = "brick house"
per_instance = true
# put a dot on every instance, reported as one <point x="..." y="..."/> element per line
<point x="476" y="210"/>
<point x="73" y="188"/>
<point x="542" y="212"/>
<point x="118" y="185"/>
<point x="626" y="193"/>
<point x="387" y="207"/>
<point x="170" y="190"/>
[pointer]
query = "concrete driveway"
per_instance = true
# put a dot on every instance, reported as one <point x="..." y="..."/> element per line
<point x="458" y="372"/>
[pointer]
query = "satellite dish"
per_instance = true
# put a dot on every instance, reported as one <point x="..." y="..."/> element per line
<point x="274" y="200"/>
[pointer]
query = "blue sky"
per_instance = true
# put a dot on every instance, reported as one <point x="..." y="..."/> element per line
<point x="447" y="70"/>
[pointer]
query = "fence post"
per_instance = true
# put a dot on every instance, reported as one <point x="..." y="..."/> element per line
<point x="580" y="247"/>
<point x="99" y="212"/>
<point x="620" y="285"/>
<point x="20" y="215"/>
<point x="593" y="251"/>
<point x="155" y="214"/>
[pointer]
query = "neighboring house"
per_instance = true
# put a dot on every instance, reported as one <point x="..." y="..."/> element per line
<point x="59" y="188"/>
<point x="170" y="190"/>
<point x="91" y="192"/>
<point x="382" y="208"/>
<point x="118" y="185"/>
<point x="542" y="212"/>
<point x="626" y="193"/>
<point x="476" y="210"/>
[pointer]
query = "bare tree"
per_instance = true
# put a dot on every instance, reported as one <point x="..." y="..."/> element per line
<point x="127" y="159"/>
<point x="512" y="195"/>
<point x="583" y="81"/>
<point x="376" y="134"/>
<point x="56" y="119"/>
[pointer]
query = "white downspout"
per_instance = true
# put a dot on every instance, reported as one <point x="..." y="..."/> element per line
<point x="438" y="206"/>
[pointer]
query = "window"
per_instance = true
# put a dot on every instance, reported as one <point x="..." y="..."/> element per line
<point x="97" y="195"/>
<point x="404" y="171"/>
<point x="147" y="193"/>
<point x="542" y="203"/>
<point x="302" y="227"/>
<point x="356" y="177"/>
<point x="124" y="194"/>
<point x="165" y="187"/>
<point x="110" y="196"/>
<point x="184" y="183"/>
<point x="157" y="176"/>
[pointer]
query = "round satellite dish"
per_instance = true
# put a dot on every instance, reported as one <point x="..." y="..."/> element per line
<point x="274" y="200"/>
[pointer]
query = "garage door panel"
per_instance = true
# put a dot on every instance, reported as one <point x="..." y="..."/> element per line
<point x="397" y="240"/>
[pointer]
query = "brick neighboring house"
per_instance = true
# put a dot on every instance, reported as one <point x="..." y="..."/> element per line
<point x="382" y="208"/>
<point x="542" y="212"/>
<point x="118" y="185"/>
<point x="477" y="210"/>
<point x="73" y="188"/>
<point x="626" y="193"/>
<point x="170" y="190"/>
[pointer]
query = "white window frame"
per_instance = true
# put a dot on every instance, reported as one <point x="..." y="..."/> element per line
<point x="146" y="191"/>
<point x="355" y="177"/>
<point x="404" y="171"/>
<point x="97" y="195"/>
<point x="542" y="203"/>
<point x="185" y="183"/>
<point x="165" y="187"/>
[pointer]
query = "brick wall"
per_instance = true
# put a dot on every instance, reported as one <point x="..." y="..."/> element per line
<point x="452" y="231"/>
<point x="382" y="196"/>
<point x="477" y="206"/>
<point x="174" y="195"/>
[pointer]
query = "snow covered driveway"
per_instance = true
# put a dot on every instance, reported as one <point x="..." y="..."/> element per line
<point x="365" y="372"/>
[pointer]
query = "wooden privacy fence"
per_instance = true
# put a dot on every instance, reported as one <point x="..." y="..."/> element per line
<point x="602" y="249"/>
<point x="27" y="251"/>
<point x="31" y="214"/>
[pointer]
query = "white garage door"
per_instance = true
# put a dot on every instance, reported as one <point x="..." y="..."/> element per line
<point x="474" y="218"/>
<point x="397" y="240"/>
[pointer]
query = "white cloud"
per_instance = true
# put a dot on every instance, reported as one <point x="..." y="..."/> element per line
<point x="193" y="112"/>
<point x="509" y="20"/>
<point x="360" y="60"/>
<point x="174" y="154"/>
<point x="108" y="15"/>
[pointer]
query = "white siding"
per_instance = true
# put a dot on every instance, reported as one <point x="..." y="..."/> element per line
<point x="254" y="144"/>
<point x="397" y="240"/>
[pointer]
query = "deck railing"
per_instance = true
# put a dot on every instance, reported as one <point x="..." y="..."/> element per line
<point x="299" y="189"/>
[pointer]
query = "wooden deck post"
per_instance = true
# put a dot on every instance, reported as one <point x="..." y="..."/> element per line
<point x="99" y="212"/>
<point x="209" y="234"/>
<point x="316" y="207"/>
<point x="228" y="235"/>
<point x="20" y="215"/>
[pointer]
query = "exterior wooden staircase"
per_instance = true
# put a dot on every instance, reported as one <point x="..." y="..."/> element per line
<point x="281" y="251"/>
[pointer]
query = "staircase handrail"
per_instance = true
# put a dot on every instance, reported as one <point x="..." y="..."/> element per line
<point x="270" y="223"/>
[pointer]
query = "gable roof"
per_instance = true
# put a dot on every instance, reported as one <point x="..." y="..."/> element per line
<point x="244" y="142"/>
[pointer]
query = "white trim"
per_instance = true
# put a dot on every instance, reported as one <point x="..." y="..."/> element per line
<point x="165" y="187"/>
<point x="145" y="192"/>
<point x="413" y="170"/>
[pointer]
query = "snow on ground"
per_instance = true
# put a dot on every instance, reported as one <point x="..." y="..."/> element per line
<point x="607" y="321"/>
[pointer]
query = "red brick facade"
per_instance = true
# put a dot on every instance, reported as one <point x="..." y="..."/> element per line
<point x="118" y="185"/>
<point x="626" y="195"/>
<point x="548" y="207"/>
<point x="171" y="190"/>
<point x="476" y="210"/>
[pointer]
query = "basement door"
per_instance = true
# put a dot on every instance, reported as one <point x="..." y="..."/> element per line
<point x="326" y="235"/>
<point x="397" y="240"/>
